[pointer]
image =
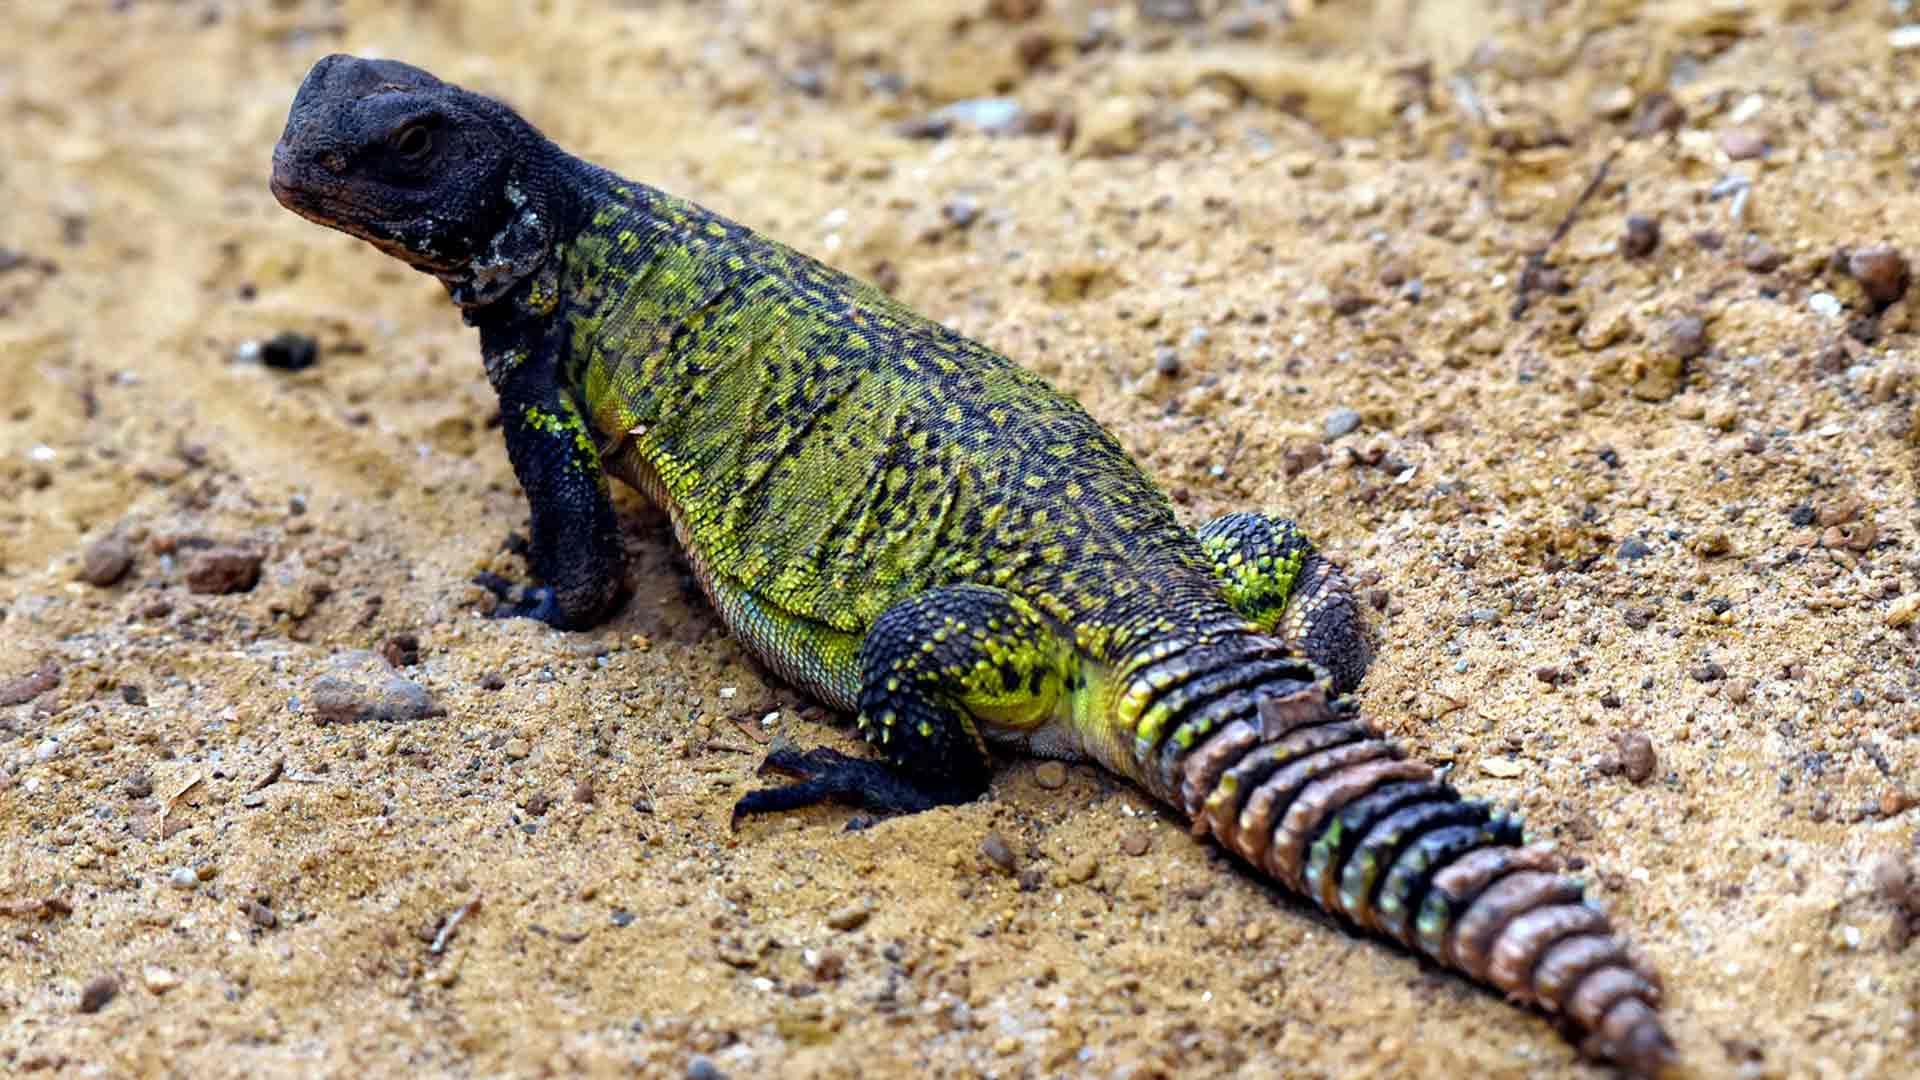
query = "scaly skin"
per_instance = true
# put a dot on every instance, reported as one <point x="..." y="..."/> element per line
<point x="914" y="529"/>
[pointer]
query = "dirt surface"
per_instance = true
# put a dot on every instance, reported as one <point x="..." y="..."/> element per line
<point x="1645" y="558"/>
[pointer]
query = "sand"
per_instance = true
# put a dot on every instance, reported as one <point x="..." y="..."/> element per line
<point x="1642" y="559"/>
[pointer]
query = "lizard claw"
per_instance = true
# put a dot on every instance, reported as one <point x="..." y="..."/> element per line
<point x="827" y="775"/>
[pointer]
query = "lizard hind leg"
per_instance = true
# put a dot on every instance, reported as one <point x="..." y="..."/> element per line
<point x="1274" y="577"/>
<point x="933" y="668"/>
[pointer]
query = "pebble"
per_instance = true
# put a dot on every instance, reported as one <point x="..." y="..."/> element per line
<point x="1505" y="768"/>
<point x="1882" y="272"/>
<point x="1633" y="549"/>
<point x="1707" y="671"/>
<point x="106" y="562"/>
<point x="1112" y="128"/>
<point x="1136" y="843"/>
<point x="137" y="786"/>
<point x="1743" y="144"/>
<point x="24" y="688"/>
<point x="518" y="749"/>
<point x="98" y="993"/>
<point x="1902" y="38"/>
<point x="1739" y="690"/>
<point x="359" y="687"/>
<point x="158" y="980"/>
<point x="961" y="212"/>
<point x="289" y="351"/>
<point x="261" y="915"/>
<point x="851" y="917"/>
<point x="1642" y="236"/>
<point x="1636" y="755"/>
<point x="1825" y="305"/>
<point x="994" y="848"/>
<point x="1082" y="869"/>
<point x="222" y="570"/>
<point x="1904" y="610"/>
<point x="183" y="877"/>
<point x="1051" y="775"/>
<point x="1685" y="337"/>
<point x="1340" y="422"/>
<point x="701" y="1067"/>
<point x="1166" y="361"/>
<point x="1764" y="258"/>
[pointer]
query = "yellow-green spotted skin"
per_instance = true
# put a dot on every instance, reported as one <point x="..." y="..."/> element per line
<point x="923" y="534"/>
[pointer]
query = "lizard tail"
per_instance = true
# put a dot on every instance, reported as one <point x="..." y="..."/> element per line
<point x="1306" y="791"/>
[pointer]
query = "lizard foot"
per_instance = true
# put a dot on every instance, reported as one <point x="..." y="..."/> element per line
<point x="824" y="775"/>
<point x="536" y="601"/>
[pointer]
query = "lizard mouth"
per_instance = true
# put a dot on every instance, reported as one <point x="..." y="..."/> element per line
<point x="334" y="205"/>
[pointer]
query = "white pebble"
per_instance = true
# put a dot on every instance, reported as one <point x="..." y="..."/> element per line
<point x="183" y="877"/>
<point x="1904" y="37"/>
<point x="727" y="692"/>
<point x="1824" y="304"/>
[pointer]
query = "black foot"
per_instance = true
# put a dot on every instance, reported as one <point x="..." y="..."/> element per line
<point x="830" y="776"/>
<point x="536" y="602"/>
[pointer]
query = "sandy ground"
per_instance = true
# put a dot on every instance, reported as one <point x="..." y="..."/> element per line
<point x="1645" y="558"/>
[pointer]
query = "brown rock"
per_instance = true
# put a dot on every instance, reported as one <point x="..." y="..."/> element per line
<point x="851" y="917"/>
<point x="1051" y="775"/>
<point x="1136" y="843"/>
<point x="222" y="570"/>
<point x="993" y="847"/>
<point x="98" y="993"/>
<point x="1882" y="272"/>
<point x="1685" y="337"/>
<point x="1641" y="237"/>
<point x="106" y="562"/>
<point x="19" y="691"/>
<point x="1636" y="756"/>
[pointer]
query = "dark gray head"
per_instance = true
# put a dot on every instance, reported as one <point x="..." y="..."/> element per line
<point x="452" y="183"/>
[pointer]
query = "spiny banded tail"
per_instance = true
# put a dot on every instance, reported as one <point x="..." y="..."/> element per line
<point x="1243" y="739"/>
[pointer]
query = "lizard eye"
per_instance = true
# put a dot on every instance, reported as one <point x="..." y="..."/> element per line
<point x="412" y="142"/>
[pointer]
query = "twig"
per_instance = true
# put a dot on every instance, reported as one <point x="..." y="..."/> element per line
<point x="445" y="935"/>
<point x="1537" y="262"/>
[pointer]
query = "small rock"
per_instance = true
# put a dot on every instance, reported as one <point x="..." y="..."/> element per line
<point x="1685" y="337"/>
<point x="1825" y="305"/>
<point x="137" y="786"/>
<point x="1894" y="880"/>
<point x="288" y="351"/>
<point x="961" y="212"/>
<point x="1505" y="768"/>
<point x="1707" y="671"/>
<point x="1763" y="258"/>
<point x="1641" y="237"/>
<point x="994" y="848"/>
<point x="1340" y="422"/>
<point x="158" y="980"/>
<point x="98" y="993"/>
<point x="1051" y="775"/>
<point x="1712" y="544"/>
<point x="1112" y="128"/>
<point x="1739" y="690"/>
<point x="517" y="749"/>
<point x="1636" y="756"/>
<point x="1743" y="144"/>
<point x="359" y="687"/>
<point x="24" y="688"/>
<point x="701" y="1067"/>
<point x="222" y="570"/>
<point x="851" y="917"/>
<point x="1166" y="361"/>
<point x="1882" y="272"/>
<point x="1082" y="869"/>
<point x="106" y="562"/>
<point x="261" y="915"/>
<point x="1657" y="113"/>
<point x="1904" y="610"/>
<point x="183" y="877"/>
<point x="1904" y="38"/>
<point x="1633" y="549"/>
<point x="1136" y="843"/>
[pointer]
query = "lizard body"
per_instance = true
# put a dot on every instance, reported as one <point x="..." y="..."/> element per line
<point x="914" y="529"/>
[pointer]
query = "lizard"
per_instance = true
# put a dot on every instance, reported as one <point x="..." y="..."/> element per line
<point x="915" y="530"/>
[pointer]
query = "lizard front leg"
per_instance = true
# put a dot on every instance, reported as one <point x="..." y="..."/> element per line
<point x="1273" y="576"/>
<point x="574" y="546"/>
<point x="934" y="668"/>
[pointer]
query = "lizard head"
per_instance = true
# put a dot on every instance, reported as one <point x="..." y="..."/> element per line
<point x="445" y="180"/>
